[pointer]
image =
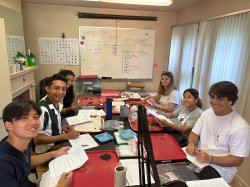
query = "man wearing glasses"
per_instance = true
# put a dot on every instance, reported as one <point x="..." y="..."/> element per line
<point x="51" y="129"/>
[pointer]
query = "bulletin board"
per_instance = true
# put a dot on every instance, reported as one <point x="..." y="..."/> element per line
<point x="117" y="53"/>
<point x="58" y="51"/>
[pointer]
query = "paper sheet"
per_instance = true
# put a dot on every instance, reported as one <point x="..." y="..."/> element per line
<point x="193" y="159"/>
<point x="217" y="182"/>
<point x="85" y="140"/>
<point x="92" y="126"/>
<point x="132" y="174"/>
<point x="75" y="158"/>
<point x="74" y="120"/>
<point x="91" y="112"/>
<point x="48" y="181"/>
<point x="159" y="116"/>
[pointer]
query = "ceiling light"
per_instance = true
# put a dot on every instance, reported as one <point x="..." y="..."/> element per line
<point x="139" y="2"/>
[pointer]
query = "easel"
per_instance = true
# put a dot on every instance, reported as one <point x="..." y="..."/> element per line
<point x="145" y="150"/>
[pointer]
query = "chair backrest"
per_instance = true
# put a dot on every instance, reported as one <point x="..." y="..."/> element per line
<point x="42" y="84"/>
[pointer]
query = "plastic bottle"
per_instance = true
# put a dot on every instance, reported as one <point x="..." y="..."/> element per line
<point x="108" y="108"/>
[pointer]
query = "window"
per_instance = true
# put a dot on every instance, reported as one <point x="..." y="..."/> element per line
<point x="216" y="51"/>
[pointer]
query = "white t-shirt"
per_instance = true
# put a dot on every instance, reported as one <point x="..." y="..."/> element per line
<point x="221" y="136"/>
<point x="48" y="131"/>
<point x="172" y="97"/>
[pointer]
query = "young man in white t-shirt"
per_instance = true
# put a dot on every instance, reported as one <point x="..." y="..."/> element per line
<point x="220" y="137"/>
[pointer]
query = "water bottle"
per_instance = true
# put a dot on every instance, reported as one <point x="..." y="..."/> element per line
<point x="124" y="111"/>
<point x="108" y="108"/>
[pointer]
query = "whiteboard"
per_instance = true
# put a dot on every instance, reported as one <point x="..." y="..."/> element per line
<point x="117" y="53"/>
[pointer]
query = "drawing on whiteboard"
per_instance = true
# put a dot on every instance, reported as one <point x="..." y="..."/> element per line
<point x="120" y="53"/>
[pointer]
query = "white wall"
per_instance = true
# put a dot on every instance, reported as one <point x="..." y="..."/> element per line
<point x="5" y="80"/>
<point x="51" y="21"/>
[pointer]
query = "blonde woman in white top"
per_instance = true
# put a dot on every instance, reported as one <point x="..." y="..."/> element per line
<point x="167" y="98"/>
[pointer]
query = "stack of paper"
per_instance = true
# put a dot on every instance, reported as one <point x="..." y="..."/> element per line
<point x="91" y="112"/>
<point x="84" y="140"/>
<point x="217" y="182"/>
<point x="93" y="126"/>
<point x="132" y="174"/>
<point x="75" y="158"/>
<point x="74" y="120"/>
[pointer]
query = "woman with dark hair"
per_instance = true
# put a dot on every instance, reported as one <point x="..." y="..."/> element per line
<point x="69" y="106"/>
<point x="185" y="117"/>
<point x="167" y="98"/>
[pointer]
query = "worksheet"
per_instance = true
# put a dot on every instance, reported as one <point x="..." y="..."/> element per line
<point x="132" y="173"/>
<point x="217" y="182"/>
<point x="85" y="140"/>
<point x="193" y="159"/>
<point x="75" y="158"/>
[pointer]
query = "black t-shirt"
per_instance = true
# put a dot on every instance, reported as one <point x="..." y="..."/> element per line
<point x="14" y="167"/>
<point x="68" y="100"/>
<point x="69" y="97"/>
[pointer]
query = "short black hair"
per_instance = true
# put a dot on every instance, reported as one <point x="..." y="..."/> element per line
<point x="55" y="77"/>
<point x="66" y="72"/>
<point x="19" y="108"/>
<point x="225" y="89"/>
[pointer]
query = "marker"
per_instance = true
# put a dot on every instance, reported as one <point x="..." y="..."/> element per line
<point x="106" y="77"/>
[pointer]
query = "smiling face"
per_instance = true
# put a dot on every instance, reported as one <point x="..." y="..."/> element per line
<point x="165" y="81"/>
<point x="56" y="91"/>
<point x="26" y="127"/>
<point x="70" y="80"/>
<point x="221" y="106"/>
<point x="189" y="101"/>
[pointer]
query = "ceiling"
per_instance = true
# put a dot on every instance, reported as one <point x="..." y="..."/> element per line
<point x="177" y="5"/>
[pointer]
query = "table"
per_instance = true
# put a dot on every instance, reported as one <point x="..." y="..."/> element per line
<point x="206" y="173"/>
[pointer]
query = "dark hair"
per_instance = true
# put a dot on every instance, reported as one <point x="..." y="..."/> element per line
<point x="66" y="72"/>
<point x="194" y="93"/>
<point x="171" y="85"/>
<point x="19" y="108"/>
<point x="55" y="77"/>
<point x="225" y="89"/>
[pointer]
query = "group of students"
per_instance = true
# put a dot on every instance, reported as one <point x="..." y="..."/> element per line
<point x="218" y="136"/>
<point x="29" y="123"/>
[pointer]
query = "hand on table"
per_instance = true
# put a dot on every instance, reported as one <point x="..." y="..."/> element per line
<point x="73" y="134"/>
